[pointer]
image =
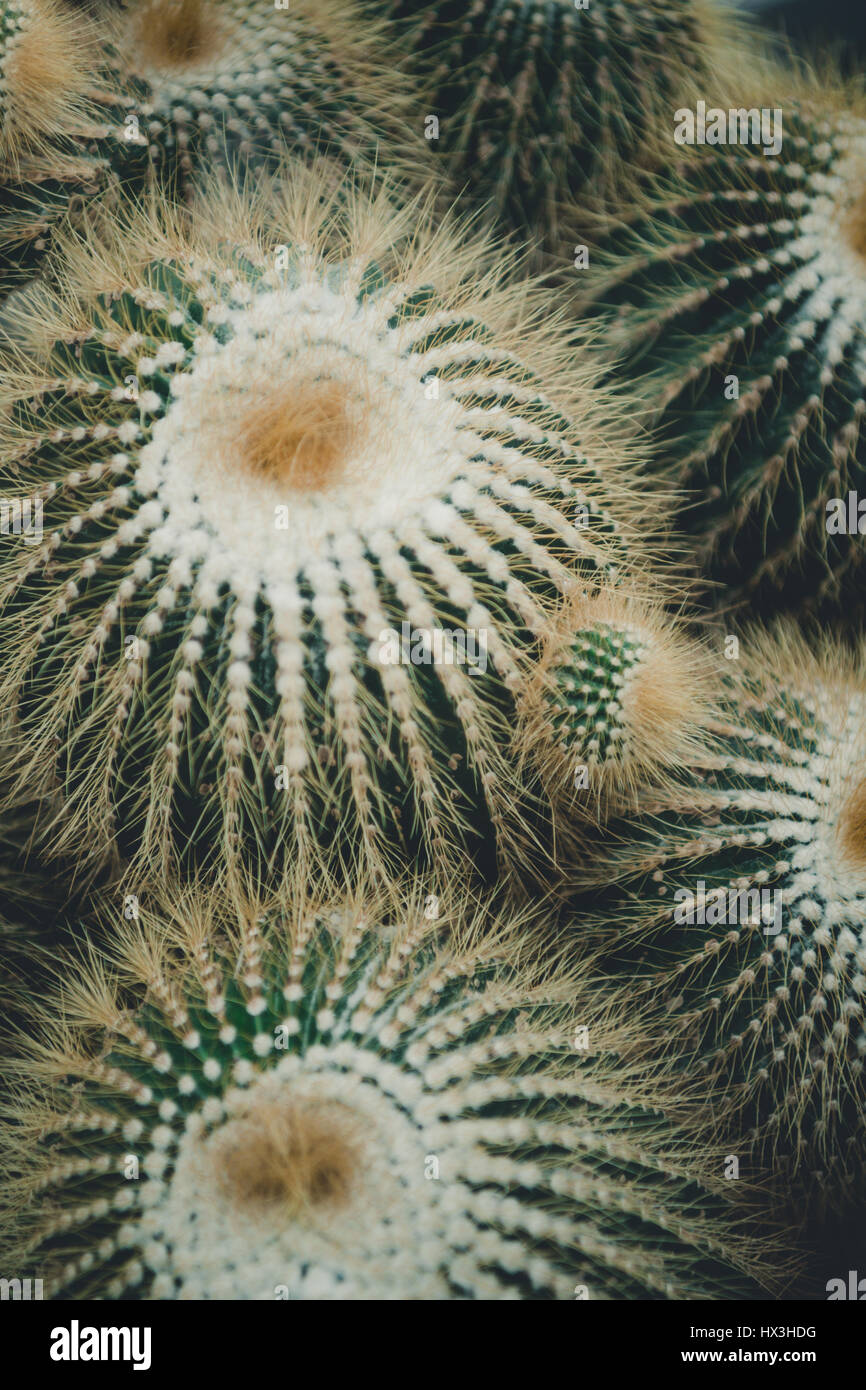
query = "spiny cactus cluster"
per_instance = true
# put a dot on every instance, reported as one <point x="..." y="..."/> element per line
<point x="407" y="890"/>
<point x="736" y="295"/>
<point x="536" y="101"/>
<point x="269" y="471"/>
<point x="325" y="1107"/>
<point x="739" y="893"/>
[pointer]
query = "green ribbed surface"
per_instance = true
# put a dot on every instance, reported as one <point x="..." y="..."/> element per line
<point x="741" y="267"/>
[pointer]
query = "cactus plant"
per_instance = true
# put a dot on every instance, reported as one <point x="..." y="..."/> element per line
<point x="618" y="700"/>
<point x="282" y="456"/>
<point x="735" y="294"/>
<point x="214" y="82"/>
<point x="535" y="101"/>
<point x="310" y="1103"/>
<point x="738" y="893"/>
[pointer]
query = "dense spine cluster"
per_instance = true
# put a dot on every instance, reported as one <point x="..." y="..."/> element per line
<point x="319" y="1105"/>
<point x="306" y="511"/>
<point x="739" y="894"/>
<point x="47" y="167"/>
<point x="736" y="295"/>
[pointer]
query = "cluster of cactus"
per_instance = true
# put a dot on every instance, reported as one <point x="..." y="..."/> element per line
<point x="341" y="562"/>
<point x="735" y="293"/>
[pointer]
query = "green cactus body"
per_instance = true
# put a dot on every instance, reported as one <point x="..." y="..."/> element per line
<point x="739" y="893"/>
<point x="736" y="296"/>
<point x="322" y="461"/>
<point x="328" y="1108"/>
<point x="206" y="83"/>
<point x="535" y="99"/>
<point x="593" y="682"/>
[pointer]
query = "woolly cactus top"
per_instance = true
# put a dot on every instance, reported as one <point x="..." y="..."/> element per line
<point x="262" y="471"/>
<point x="326" y="1108"/>
<point x="738" y="295"/>
<point x="744" y="890"/>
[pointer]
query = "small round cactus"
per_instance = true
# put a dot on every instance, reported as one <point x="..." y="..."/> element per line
<point x="307" y="510"/>
<point x="735" y="294"/>
<point x="534" y="100"/>
<point x="211" y="82"/>
<point x="617" y="701"/>
<point x="739" y="892"/>
<point x="311" y="1103"/>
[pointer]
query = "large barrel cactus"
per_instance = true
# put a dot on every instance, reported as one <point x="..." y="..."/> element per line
<point x="310" y="1103"/>
<point x="311" y="486"/>
<point x="737" y="892"/>
<point x="735" y="294"/>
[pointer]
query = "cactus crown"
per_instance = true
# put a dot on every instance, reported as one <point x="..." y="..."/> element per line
<point x="313" y="1104"/>
<point x="259" y="468"/>
<point x="736" y="295"/>
<point x="744" y="889"/>
<point x="179" y="33"/>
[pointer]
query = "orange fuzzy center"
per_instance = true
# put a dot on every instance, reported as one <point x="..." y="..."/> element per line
<point x="295" y="1157"/>
<point x="176" y="33"/>
<point x="300" y="438"/>
<point x="852" y="827"/>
